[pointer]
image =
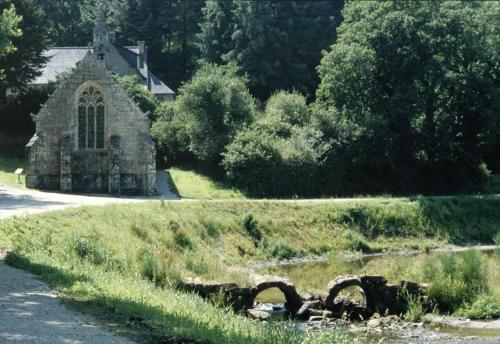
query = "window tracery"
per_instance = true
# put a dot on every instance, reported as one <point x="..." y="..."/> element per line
<point x="91" y="119"/>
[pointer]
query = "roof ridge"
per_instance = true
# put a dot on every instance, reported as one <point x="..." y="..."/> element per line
<point x="69" y="48"/>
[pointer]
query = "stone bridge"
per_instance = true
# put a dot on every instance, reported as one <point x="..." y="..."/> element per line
<point x="380" y="297"/>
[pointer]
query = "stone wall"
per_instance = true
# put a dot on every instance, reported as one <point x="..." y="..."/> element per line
<point x="89" y="170"/>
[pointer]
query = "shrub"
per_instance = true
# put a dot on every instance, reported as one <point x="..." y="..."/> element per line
<point x="213" y="106"/>
<point x="356" y="242"/>
<point x="253" y="163"/>
<point x="483" y="307"/>
<point x="250" y="225"/>
<point x="282" y="251"/>
<point x="212" y="227"/>
<point x="415" y="309"/>
<point x="285" y="113"/>
<point x="89" y="248"/>
<point x="141" y="95"/>
<point x="169" y="133"/>
<point x="182" y="238"/>
<point x="456" y="280"/>
<point x="197" y="265"/>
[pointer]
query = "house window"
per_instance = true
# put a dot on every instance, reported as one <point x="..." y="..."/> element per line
<point x="91" y="119"/>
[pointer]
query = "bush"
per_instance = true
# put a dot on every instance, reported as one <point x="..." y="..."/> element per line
<point x="456" y="280"/>
<point x="169" y="133"/>
<point x="141" y="95"/>
<point x="250" y="225"/>
<point x="89" y="248"/>
<point x="253" y="163"/>
<point x="282" y="251"/>
<point x="483" y="307"/>
<point x="356" y="242"/>
<point x="214" y="106"/>
<point x="415" y="309"/>
<point x="285" y="113"/>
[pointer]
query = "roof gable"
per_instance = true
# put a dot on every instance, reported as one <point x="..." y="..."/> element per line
<point x="62" y="59"/>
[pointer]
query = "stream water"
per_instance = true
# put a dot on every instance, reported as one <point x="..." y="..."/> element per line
<point x="314" y="277"/>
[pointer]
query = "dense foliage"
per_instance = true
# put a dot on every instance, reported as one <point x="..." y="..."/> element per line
<point x="9" y="22"/>
<point x="23" y="41"/>
<point x="277" y="43"/>
<point x="213" y="107"/>
<point x="419" y="81"/>
<point x="408" y="102"/>
<point x="406" y="99"/>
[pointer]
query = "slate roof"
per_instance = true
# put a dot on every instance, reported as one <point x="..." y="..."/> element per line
<point x="61" y="59"/>
<point x="156" y="86"/>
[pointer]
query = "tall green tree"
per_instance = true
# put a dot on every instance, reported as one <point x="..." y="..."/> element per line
<point x="169" y="27"/>
<point x="9" y="22"/>
<point x="420" y="80"/>
<point x="26" y="61"/>
<point x="214" y="106"/>
<point x="276" y="43"/>
<point x="214" y="39"/>
<point x="66" y="24"/>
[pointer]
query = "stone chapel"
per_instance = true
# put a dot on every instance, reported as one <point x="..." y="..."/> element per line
<point x="90" y="135"/>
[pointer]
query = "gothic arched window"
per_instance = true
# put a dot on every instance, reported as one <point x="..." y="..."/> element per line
<point x="91" y="119"/>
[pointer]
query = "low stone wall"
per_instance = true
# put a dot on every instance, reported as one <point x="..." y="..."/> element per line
<point x="381" y="297"/>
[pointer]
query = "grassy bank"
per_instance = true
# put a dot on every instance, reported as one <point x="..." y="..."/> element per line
<point x="127" y="258"/>
<point x="190" y="183"/>
<point x="11" y="158"/>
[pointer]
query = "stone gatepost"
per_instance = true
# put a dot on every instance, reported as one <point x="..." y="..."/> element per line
<point x="150" y="177"/>
<point x="31" y="171"/>
<point x="114" y="165"/>
<point x="65" y="179"/>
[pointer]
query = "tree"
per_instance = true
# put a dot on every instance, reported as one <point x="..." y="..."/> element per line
<point x="170" y="28"/>
<point x="25" y="62"/>
<point x="421" y="79"/>
<point x="214" y="105"/>
<point x="214" y="39"/>
<point x="142" y="96"/>
<point x="285" y="113"/>
<point x="9" y="22"/>
<point x="276" y="43"/>
<point x="66" y="24"/>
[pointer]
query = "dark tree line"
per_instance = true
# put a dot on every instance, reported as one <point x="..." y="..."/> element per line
<point x="296" y="97"/>
<point x="277" y="44"/>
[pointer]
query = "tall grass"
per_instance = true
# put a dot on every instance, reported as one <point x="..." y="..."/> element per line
<point x="128" y="258"/>
<point x="456" y="280"/>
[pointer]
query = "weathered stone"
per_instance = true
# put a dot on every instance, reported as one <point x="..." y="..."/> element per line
<point x="91" y="136"/>
<point x="206" y="289"/>
<point x="258" y="314"/>
<point x="305" y="311"/>
<point x="239" y="298"/>
<point x="293" y="299"/>
<point x="335" y="286"/>
<point x="369" y="281"/>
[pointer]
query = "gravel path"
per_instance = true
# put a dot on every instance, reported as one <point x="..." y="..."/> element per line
<point x="30" y="312"/>
<point x="15" y="201"/>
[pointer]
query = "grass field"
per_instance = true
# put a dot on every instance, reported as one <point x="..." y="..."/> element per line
<point x="189" y="183"/>
<point x="11" y="158"/>
<point x="127" y="259"/>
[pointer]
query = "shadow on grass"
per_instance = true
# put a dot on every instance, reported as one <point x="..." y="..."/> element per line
<point x="171" y="184"/>
<point x="50" y="274"/>
<point x="465" y="219"/>
<point x="140" y="321"/>
<point x="215" y="173"/>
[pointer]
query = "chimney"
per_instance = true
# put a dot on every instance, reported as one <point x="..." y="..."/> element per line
<point x="112" y="37"/>
<point x="142" y="55"/>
